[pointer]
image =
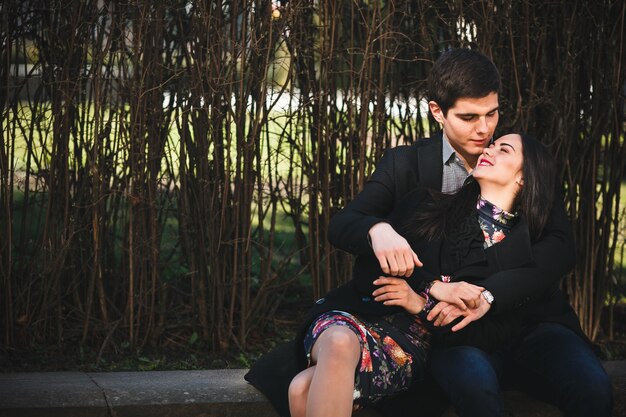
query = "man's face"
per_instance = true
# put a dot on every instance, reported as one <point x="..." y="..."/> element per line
<point x="469" y="124"/>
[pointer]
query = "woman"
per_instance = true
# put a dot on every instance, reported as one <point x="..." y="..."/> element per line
<point x="368" y="339"/>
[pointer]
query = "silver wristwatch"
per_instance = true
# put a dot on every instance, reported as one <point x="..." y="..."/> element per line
<point x="488" y="296"/>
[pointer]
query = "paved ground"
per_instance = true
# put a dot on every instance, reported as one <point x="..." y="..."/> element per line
<point x="208" y="393"/>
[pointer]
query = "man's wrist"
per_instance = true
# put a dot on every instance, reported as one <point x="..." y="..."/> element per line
<point x="372" y="229"/>
<point x="486" y="294"/>
<point x="377" y="226"/>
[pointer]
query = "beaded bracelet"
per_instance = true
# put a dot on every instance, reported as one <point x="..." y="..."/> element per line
<point x="430" y="301"/>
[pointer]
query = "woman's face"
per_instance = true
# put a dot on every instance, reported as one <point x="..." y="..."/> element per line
<point x="501" y="163"/>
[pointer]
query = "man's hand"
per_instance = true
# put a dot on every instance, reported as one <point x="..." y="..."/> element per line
<point x="392" y="251"/>
<point x="462" y="294"/>
<point x="444" y="313"/>
<point x="397" y="292"/>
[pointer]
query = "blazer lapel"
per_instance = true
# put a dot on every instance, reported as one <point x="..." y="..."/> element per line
<point x="430" y="165"/>
<point x="513" y="252"/>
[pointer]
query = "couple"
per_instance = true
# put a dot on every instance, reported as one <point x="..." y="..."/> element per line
<point x="478" y="308"/>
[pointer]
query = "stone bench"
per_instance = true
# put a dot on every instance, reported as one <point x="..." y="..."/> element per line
<point x="209" y="393"/>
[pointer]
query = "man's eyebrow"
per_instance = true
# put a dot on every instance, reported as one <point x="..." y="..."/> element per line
<point x="476" y="114"/>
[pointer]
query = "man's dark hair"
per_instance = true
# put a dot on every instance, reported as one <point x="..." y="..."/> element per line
<point x="460" y="73"/>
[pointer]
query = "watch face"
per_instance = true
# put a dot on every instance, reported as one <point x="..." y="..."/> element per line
<point x="488" y="296"/>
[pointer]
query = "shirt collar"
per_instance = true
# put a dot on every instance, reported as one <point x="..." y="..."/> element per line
<point x="491" y="211"/>
<point x="448" y="153"/>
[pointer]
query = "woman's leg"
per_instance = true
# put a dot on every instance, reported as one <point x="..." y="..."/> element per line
<point x="327" y="387"/>
<point x="299" y="392"/>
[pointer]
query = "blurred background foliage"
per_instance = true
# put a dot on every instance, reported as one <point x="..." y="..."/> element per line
<point x="168" y="168"/>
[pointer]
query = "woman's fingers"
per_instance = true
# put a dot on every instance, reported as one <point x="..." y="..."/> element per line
<point x="382" y="281"/>
<point x="385" y="293"/>
<point x="459" y="302"/>
<point x="399" y="294"/>
<point x="471" y="303"/>
<point x="389" y="292"/>
<point x="472" y="298"/>
<point x="390" y="289"/>
<point x="461" y="294"/>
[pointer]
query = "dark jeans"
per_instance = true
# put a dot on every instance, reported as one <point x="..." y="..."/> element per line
<point x="552" y="363"/>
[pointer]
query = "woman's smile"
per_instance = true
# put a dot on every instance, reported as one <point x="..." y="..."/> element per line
<point x="485" y="162"/>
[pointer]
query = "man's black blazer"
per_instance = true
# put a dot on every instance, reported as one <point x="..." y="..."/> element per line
<point x="468" y="261"/>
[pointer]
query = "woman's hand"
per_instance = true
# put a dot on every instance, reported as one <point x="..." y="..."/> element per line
<point x="444" y="313"/>
<point x="397" y="292"/>
<point x="461" y="294"/>
<point x="392" y="251"/>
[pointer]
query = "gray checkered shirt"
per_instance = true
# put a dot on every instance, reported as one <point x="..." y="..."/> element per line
<point x="454" y="172"/>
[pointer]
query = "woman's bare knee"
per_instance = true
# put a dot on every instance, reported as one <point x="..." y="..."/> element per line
<point x="337" y="343"/>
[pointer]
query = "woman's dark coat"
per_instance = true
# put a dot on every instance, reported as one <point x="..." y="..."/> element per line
<point x="462" y="254"/>
<point x="401" y="170"/>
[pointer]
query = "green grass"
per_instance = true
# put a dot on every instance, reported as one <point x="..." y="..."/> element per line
<point x="28" y="223"/>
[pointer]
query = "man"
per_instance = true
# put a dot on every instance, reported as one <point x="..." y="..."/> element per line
<point x="552" y="360"/>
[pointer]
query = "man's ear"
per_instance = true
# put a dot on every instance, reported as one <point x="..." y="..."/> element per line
<point x="436" y="111"/>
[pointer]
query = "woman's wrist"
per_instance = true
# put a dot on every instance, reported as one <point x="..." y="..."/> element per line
<point x="436" y="284"/>
<point x="418" y="304"/>
<point x="441" y="291"/>
<point x="429" y="300"/>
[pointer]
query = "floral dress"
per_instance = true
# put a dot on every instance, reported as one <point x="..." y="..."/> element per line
<point x="393" y="351"/>
<point x="394" y="347"/>
<point x="494" y="221"/>
<point x="495" y="224"/>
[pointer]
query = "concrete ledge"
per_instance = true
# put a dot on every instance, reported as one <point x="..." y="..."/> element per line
<point x="208" y="393"/>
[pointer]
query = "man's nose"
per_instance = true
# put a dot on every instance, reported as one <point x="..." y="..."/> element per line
<point x="481" y="125"/>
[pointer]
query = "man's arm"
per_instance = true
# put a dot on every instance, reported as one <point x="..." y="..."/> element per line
<point x="362" y="227"/>
<point x="348" y="229"/>
<point x="554" y="254"/>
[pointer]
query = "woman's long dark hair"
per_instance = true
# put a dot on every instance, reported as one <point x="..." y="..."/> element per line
<point x="536" y="197"/>
<point x="534" y="200"/>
